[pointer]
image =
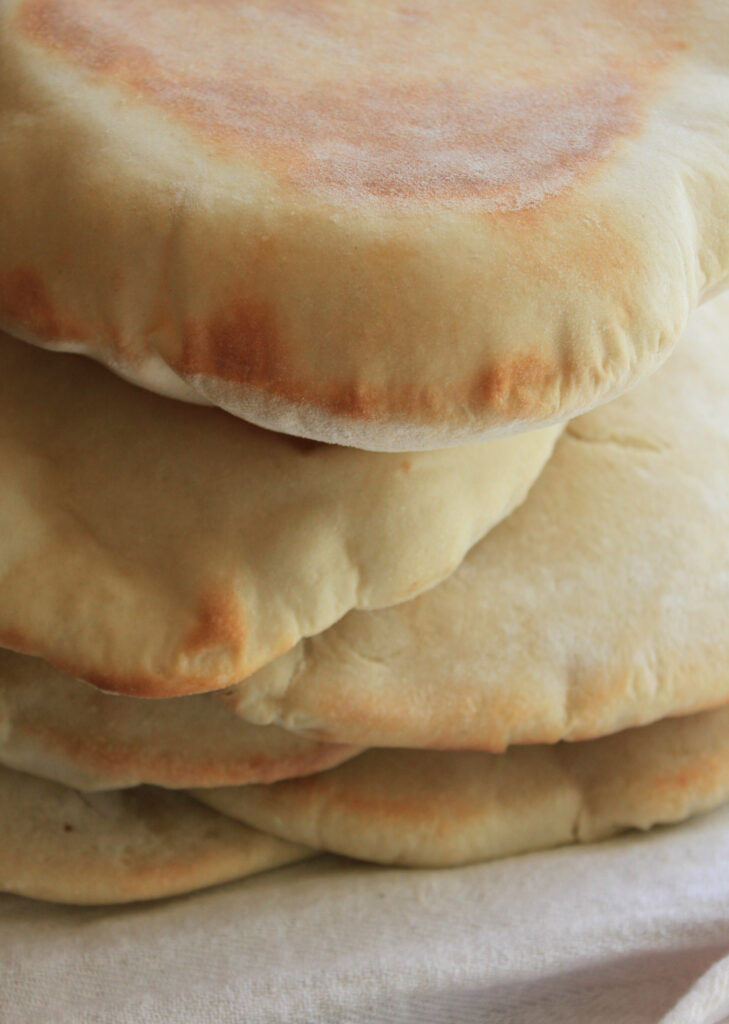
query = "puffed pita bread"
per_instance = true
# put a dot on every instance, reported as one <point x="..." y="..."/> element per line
<point x="70" y="732"/>
<point x="443" y="808"/>
<point x="156" y="548"/>
<point x="602" y="603"/>
<point x="138" y="844"/>
<point x="381" y="225"/>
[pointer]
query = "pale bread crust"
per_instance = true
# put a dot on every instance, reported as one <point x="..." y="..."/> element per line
<point x="442" y="809"/>
<point x="156" y="548"/>
<point x="62" y="729"/>
<point x="384" y="227"/>
<point x="138" y="844"/>
<point x="602" y="603"/>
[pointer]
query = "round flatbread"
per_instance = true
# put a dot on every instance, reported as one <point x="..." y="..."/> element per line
<point x="65" y="730"/>
<point x="393" y="226"/>
<point x="156" y="548"/>
<point x="602" y="603"/>
<point x="440" y="809"/>
<point x="137" y="844"/>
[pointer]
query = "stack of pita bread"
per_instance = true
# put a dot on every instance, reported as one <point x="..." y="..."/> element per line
<point x="392" y="524"/>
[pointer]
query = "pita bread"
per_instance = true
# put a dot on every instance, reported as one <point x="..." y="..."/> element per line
<point x="440" y="809"/>
<point x="64" y="730"/>
<point x="138" y="844"/>
<point x="602" y="603"/>
<point x="388" y="226"/>
<point x="155" y="548"/>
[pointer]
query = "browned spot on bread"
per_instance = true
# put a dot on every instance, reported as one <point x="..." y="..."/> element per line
<point x="243" y="344"/>
<point x="136" y="683"/>
<point x="219" y="623"/>
<point x="694" y="775"/>
<point x="521" y="386"/>
<point x="357" y="102"/>
<point x="27" y="303"/>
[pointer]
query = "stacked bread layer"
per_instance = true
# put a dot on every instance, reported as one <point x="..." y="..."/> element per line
<point x="380" y="538"/>
<point x="567" y="680"/>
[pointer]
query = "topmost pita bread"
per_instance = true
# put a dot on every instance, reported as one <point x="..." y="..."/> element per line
<point x="387" y="225"/>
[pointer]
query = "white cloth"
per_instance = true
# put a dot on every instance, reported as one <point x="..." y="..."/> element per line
<point x="634" y="930"/>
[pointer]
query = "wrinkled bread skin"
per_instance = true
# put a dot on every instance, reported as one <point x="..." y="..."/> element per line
<point x="394" y="228"/>
<point x="156" y="548"/>
<point x="138" y="844"/>
<point x="601" y="603"/>
<point x="442" y="809"/>
<point x="62" y="729"/>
